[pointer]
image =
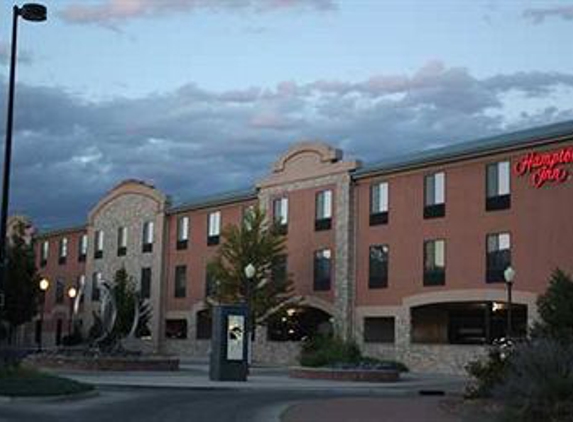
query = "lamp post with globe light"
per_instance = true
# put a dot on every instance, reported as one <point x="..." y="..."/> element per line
<point x="72" y="293"/>
<point x="509" y="275"/>
<point x="44" y="286"/>
<point x="250" y="272"/>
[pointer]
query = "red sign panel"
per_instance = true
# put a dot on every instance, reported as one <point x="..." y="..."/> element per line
<point x="545" y="167"/>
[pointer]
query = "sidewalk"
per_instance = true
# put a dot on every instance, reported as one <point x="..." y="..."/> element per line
<point x="368" y="409"/>
<point x="195" y="375"/>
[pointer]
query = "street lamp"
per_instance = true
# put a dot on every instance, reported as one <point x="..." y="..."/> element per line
<point x="44" y="285"/>
<point x="509" y="275"/>
<point x="72" y="293"/>
<point x="250" y="271"/>
<point x="35" y="13"/>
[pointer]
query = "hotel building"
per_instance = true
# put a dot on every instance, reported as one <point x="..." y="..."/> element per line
<point x="406" y="256"/>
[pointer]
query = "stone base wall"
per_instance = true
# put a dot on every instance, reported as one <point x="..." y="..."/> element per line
<point x="195" y="349"/>
<point x="440" y="358"/>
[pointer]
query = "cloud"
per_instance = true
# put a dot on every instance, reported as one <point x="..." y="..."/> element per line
<point x="24" y="56"/>
<point x="538" y="15"/>
<point x="192" y="142"/>
<point x="110" y="13"/>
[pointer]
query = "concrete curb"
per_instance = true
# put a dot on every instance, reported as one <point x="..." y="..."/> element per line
<point x="50" y="399"/>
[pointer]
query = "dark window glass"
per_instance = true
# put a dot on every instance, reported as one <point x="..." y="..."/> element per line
<point x="378" y="267"/>
<point x="210" y="283"/>
<point x="95" y="287"/>
<point x="279" y="270"/>
<point x="322" y="269"/>
<point x="176" y="329"/>
<point x="434" y="262"/>
<point x="434" y="195"/>
<point x="180" y="281"/>
<point x="323" y="217"/>
<point x="59" y="291"/>
<point x="379" y="330"/>
<point x="146" y="283"/>
<point x="498" y="193"/>
<point x="203" y="325"/>
<point x="498" y="256"/>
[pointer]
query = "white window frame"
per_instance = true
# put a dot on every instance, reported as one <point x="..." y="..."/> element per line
<point x="84" y="244"/>
<point x="380" y="191"/>
<point x="324" y="212"/>
<point x="99" y="243"/>
<point x="280" y="217"/>
<point x="183" y="228"/>
<point x="439" y="188"/>
<point x="214" y="224"/>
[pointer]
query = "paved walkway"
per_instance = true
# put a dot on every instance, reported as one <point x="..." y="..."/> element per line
<point x="195" y="375"/>
<point x="368" y="409"/>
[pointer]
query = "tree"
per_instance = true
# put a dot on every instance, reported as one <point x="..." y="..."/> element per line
<point x="254" y="241"/>
<point x="555" y="307"/>
<point x="22" y="282"/>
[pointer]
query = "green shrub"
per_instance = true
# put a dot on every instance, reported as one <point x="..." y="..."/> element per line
<point x="538" y="384"/>
<point x="328" y="351"/>
<point x="555" y="308"/>
<point x="489" y="372"/>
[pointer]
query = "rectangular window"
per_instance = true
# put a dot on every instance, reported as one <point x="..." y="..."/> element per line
<point x="498" y="256"/>
<point x="96" y="279"/>
<point x="435" y="195"/>
<point x="182" y="232"/>
<point x="63" y="250"/>
<point x="44" y="253"/>
<point x="434" y="262"/>
<point x="498" y="193"/>
<point x="176" y="329"/>
<point x="81" y="286"/>
<point x="60" y="285"/>
<point x="210" y="283"/>
<point x="379" y="330"/>
<point x="180" y="281"/>
<point x="121" y="241"/>
<point x="203" y="325"/>
<point x="323" y="217"/>
<point x="83" y="248"/>
<point x="148" y="232"/>
<point x="98" y="251"/>
<point x="280" y="214"/>
<point x="378" y="267"/>
<point x="213" y="228"/>
<point x="379" y="203"/>
<point x="322" y="269"/>
<point x="145" y="283"/>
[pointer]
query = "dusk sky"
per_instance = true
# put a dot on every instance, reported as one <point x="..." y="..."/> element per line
<point x="201" y="96"/>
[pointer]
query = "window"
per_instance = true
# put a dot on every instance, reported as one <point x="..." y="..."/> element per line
<point x="60" y="291"/>
<point x="83" y="248"/>
<point x="323" y="218"/>
<point x="182" y="232"/>
<point x="145" y="286"/>
<point x="180" y="281"/>
<point x="59" y="325"/>
<point x="63" y="251"/>
<point x="44" y="253"/>
<point x="378" y="267"/>
<point x="203" y="325"/>
<point x="435" y="195"/>
<point x="322" y="269"/>
<point x="280" y="214"/>
<point x="147" y="244"/>
<point x="96" y="279"/>
<point x="498" y="256"/>
<point x="98" y="252"/>
<point x="379" y="330"/>
<point x="214" y="228"/>
<point x="176" y="329"/>
<point x="210" y="283"/>
<point x="379" y="204"/>
<point x="121" y="241"/>
<point x="498" y="186"/>
<point x="81" y="287"/>
<point x="434" y="262"/>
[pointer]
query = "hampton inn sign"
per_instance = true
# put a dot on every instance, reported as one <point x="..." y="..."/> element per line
<point x="545" y="167"/>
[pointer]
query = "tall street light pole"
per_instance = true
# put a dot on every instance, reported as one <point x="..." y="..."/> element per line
<point x="509" y="275"/>
<point x="44" y="285"/>
<point x="250" y="271"/>
<point x="35" y="13"/>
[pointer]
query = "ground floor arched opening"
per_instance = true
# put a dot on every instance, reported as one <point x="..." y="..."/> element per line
<point x="480" y="322"/>
<point x="298" y="323"/>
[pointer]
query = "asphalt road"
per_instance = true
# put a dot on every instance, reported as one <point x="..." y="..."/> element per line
<point x="165" y="405"/>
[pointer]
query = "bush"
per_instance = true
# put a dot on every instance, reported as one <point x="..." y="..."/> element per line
<point x="487" y="373"/>
<point x="538" y="383"/>
<point x="555" y="308"/>
<point x="73" y="339"/>
<point x="328" y="351"/>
